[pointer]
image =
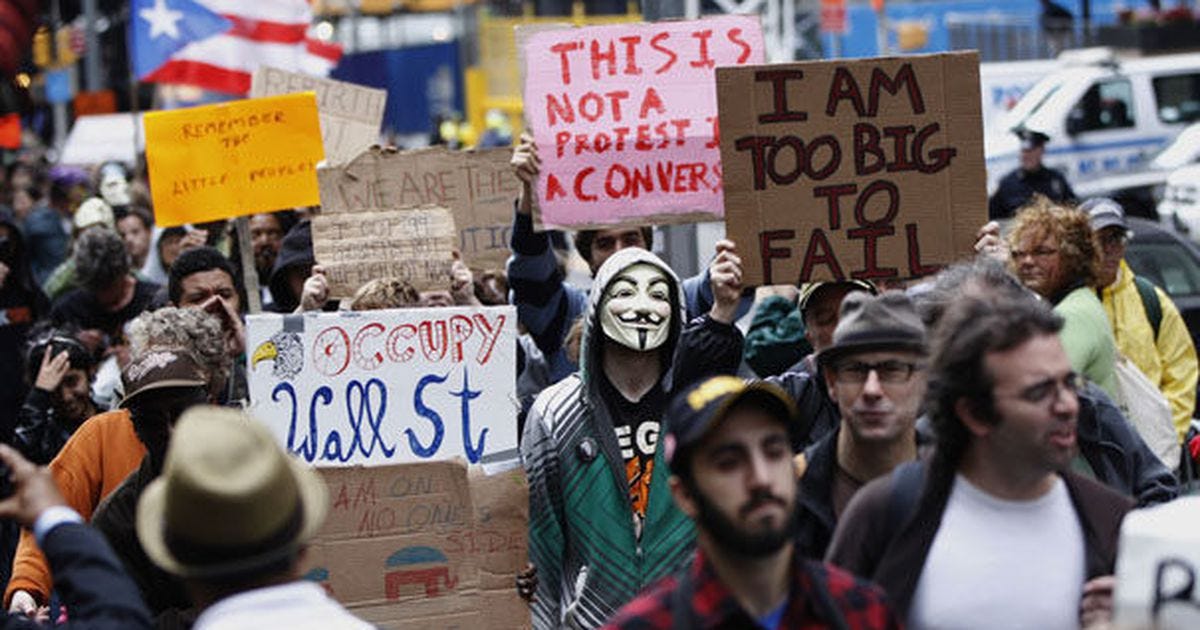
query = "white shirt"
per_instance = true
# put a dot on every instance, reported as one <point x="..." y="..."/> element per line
<point x="298" y="605"/>
<point x="1002" y="564"/>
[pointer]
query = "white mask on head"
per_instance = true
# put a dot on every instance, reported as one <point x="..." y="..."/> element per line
<point x="114" y="189"/>
<point x="636" y="311"/>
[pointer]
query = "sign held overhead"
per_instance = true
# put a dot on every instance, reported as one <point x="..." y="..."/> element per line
<point x="869" y="169"/>
<point x="625" y="119"/>
<point x="233" y="159"/>
<point x="477" y="186"/>
<point x="350" y="114"/>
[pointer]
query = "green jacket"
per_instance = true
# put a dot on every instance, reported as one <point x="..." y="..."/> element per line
<point x="589" y="559"/>
<point x="1088" y="339"/>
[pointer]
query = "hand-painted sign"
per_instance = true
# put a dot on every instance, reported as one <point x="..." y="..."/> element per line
<point x="233" y="159"/>
<point x="350" y="114"/>
<point x="387" y="387"/>
<point x="869" y="169"/>
<point x="625" y="118"/>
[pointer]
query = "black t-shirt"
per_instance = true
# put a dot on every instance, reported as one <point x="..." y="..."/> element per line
<point x="637" y="425"/>
<point x="79" y="306"/>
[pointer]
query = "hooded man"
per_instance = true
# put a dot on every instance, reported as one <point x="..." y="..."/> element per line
<point x="603" y="524"/>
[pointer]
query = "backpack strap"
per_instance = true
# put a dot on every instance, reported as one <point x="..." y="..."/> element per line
<point x="906" y="491"/>
<point x="1150" y="302"/>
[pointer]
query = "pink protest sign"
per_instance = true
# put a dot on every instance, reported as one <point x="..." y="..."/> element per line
<point x="625" y="119"/>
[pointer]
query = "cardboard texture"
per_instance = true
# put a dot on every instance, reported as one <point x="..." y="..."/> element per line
<point x="233" y="159"/>
<point x="624" y="118"/>
<point x="477" y="186"/>
<point x="425" y="545"/>
<point x="413" y="244"/>
<point x="387" y="387"/>
<point x="350" y="114"/>
<point x="869" y="169"/>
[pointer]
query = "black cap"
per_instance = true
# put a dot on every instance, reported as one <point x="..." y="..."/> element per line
<point x="697" y="410"/>
<point x="1031" y="139"/>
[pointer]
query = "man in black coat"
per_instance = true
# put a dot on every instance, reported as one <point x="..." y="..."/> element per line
<point x="87" y="575"/>
<point x="1019" y="186"/>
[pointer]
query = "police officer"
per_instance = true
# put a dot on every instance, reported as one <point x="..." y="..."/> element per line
<point x="1031" y="177"/>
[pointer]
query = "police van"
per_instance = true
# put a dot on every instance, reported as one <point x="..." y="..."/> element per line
<point x="1103" y="113"/>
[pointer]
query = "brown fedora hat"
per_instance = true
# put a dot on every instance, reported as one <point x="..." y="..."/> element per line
<point x="230" y="500"/>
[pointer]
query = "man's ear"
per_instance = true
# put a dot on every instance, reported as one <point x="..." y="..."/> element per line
<point x="974" y="423"/>
<point x="683" y="497"/>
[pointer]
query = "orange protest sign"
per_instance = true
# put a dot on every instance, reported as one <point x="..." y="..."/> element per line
<point x="232" y="159"/>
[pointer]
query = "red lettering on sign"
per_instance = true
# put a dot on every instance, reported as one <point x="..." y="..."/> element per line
<point x="915" y="268"/>
<point x="562" y="49"/>
<point x="556" y="109"/>
<point x="778" y="80"/>
<point x="704" y="61"/>
<point x="870" y="236"/>
<point x="655" y="43"/>
<point x="631" y="42"/>
<point x="831" y="195"/>
<point x="735" y="36"/>
<point x="651" y="101"/>
<point x="770" y="253"/>
<point x="820" y="252"/>
<point x="579" y="177"/>
<point x="598" y="57"/>
<point x="554" y="188"/>
<point x="845" y="87"/>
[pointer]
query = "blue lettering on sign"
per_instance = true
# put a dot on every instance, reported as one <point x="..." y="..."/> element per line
<point x="439" y="428"/>
<point x="466" y="394"/>
<point x="365" y="410"/>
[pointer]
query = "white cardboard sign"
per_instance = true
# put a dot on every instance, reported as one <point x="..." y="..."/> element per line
<point x="387" y="387"/>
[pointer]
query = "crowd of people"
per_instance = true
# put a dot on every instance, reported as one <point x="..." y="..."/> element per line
<point x="949" y="451"/>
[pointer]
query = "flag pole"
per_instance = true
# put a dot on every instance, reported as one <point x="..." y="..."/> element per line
<point x="134" y="105"/>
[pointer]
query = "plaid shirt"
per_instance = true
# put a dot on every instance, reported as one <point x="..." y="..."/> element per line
<point x="860" y="604"/>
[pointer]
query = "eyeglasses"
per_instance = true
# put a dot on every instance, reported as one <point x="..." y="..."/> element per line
<point x="1040" y="252"/>
<point x="891" y="372"/>
<point x="1047" y="391"/>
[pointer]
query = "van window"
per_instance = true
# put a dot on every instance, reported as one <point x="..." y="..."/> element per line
<point x="1178" y="98"/>
<point x="1107" y="105"/>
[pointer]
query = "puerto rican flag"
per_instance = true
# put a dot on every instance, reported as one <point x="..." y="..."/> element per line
<point x="217" y="44"/>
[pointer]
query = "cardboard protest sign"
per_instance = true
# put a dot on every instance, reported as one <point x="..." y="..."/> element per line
<point x="387" y="387"/>
<point x="232" y="159"/>
<point x="868" y="169"/>
<point x="478" y="187"/>
<point x="350" y="114"/>
<point x="413" y="244"/>
<point x="624" y="117"/>
<point x="425" y="545"/>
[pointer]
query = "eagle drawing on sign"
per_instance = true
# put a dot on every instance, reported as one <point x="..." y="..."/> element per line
<point x="285" y="350"/>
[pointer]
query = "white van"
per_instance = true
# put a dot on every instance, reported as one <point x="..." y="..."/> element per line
<point x="1103" y="114"/>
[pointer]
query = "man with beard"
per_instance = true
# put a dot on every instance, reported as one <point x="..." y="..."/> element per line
<point x="61" y="370"/>
<point x="730" y="456"/>
<point x="1004" y="401"/>
<point x="602" y="523"/>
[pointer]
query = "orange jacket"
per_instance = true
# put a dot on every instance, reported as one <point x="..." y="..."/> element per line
<point x="94" y="461"/>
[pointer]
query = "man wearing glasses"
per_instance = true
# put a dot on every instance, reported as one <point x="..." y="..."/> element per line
<point x="994" y="530"/>
<point x="1145" y="322"/>
<point x="875" y="372"/>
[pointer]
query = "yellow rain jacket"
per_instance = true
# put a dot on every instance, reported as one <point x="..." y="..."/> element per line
<point x="1171" y="360"/>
